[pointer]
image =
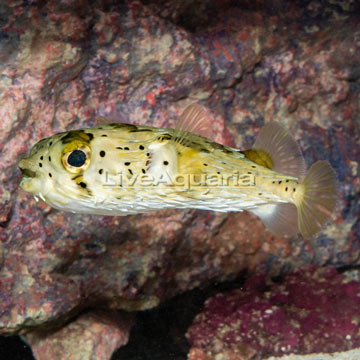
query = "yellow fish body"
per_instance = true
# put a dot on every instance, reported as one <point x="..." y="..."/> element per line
<point x="120" y="169"/>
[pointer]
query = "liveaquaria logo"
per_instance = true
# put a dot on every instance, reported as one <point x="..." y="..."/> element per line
<point x="180" y="180"/>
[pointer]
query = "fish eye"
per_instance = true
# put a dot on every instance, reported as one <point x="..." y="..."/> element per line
<point x="76" y="160"/>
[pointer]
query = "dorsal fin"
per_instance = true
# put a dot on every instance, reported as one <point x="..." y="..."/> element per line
<point x="163" y="161"/>
<point x="278" y="149"/>
<point x="195" y="120"/>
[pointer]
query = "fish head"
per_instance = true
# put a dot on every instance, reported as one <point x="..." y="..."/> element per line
<point x="54" y="169"/>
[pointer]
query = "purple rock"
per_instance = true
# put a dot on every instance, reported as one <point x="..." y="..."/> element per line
<point x="308" y="311"/>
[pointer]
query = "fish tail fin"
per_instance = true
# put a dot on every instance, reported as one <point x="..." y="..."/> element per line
<point x="317" y="198"/>
<point x="276" y="149"/>
<point x="313" y="207"/>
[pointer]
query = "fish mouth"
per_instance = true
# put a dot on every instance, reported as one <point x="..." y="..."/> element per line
<point x="28" y="173"/>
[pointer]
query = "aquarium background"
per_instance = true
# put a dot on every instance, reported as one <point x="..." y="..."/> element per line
<point x="75" y="284"/>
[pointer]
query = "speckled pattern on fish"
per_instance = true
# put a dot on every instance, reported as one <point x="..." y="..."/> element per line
<point x="119" y="169"/>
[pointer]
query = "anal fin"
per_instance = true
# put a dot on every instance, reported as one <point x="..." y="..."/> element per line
<point x="281" y="218"/>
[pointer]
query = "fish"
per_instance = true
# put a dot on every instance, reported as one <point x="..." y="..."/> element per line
<point x="119" y="169"/>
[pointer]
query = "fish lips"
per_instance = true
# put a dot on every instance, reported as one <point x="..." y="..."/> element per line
<point x="29" y="181"/>
<point x="28" y="173"/>
<point x="28" y="176"/>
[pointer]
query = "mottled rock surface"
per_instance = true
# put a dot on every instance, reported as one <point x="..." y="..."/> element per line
<point x="91" y="336"/>
<point x="309" y="311"/>
<point x="344" y="355"/>
<point x="65" y="63"/>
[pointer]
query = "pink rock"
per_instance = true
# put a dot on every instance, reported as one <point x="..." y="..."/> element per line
<point x="260" y="320"/>
<point x="92" y="335"/>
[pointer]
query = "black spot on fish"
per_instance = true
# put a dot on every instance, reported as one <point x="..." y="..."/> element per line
<point x="192" y="144"/>
<point x="50" y="158"/>
<point x="40" y="164"/>
<point x="90" y="135"/>
<point x="225" y="150"/>
<point x="50" y="175"/>
<point x="77" y="158"/>
<point x="127" y="164"/>
<point x="41" y="158"/>
<point x="287" y="180"/>
<point x="101" y="171"/>
<point x="294" y="189"/>
<point x="166" y="163"/>
<point x="164" y="137"/>
<point x="260" y="194"/>
<point x="104" y="135"/>
<point x="102" y="153"/>
<point x="204" y="150"/>
<point x="143" y="171"/>
<point x="286" y="189"/>
<point x="280" y="182"/>
<point x="218" y="172"/>
<point x="140" y="130"/>
<point x="205" y="164"/>
<point x="76" y="135"/>
<point x="130" y="171"/>
<point x="123" y="126"/>
<point x="141" y="147"/>
<point x="126" y="148"/>
<point x="65" y="139"/>
<point x="147" y="154"/>
<point x="50" y="143"/>
<point x="119" y="147"/>
<point x="220" y="147"/>
<point x="274" y="182"/>
<point x="253" y="166"/>
<point x="83" y="185"/>
<point x="249" y="172"/>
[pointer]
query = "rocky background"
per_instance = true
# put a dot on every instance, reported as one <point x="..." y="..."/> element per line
<point x="70" y="284"/>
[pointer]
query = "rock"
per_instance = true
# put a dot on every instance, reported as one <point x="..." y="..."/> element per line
<point x="344" y="355"/>
<point x="308" y="311"/>
<point x="93" y="335"/>
<point x="65" y="63"/>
